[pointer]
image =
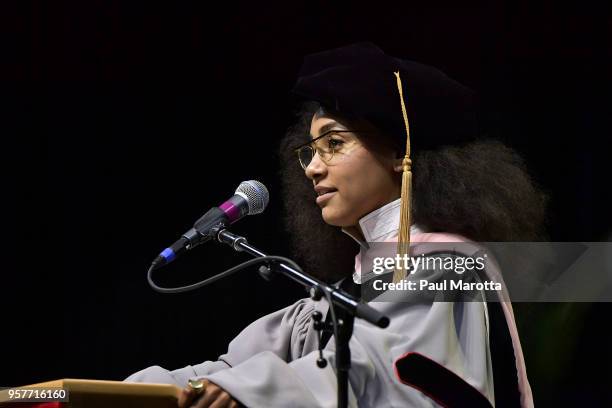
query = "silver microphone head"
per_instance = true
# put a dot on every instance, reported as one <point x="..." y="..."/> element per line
<point x="256" y="195"/>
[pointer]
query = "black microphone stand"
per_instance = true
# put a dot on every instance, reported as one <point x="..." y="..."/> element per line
<point x="343" y="355"/>
<point x="349" y="307"/>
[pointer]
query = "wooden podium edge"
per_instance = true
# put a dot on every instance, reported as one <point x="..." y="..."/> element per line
<point x="103" y="387"/>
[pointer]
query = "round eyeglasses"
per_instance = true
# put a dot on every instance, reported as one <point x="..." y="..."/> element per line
<point x="328" y="145"/>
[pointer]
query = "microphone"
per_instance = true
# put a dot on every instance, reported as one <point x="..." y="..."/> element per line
<point x="251" y="197"/>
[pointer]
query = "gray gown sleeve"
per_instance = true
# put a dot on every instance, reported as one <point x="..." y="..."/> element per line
<point x="274" y="333"/>
<point x="272" y="363"/>
<point x="445" y="332"/>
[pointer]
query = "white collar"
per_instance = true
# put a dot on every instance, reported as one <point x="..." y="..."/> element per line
<point x="378" y="226"/>
<point x="381" y="225"/>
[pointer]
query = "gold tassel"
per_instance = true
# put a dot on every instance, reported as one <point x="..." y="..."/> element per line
<point x="403" y="244"/>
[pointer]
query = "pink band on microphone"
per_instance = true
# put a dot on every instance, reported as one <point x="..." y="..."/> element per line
<point x="232" y="212"/>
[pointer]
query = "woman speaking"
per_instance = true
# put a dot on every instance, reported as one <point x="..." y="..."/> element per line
<point x="383" y="150"/>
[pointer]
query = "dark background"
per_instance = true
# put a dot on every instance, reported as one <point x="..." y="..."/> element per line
<point x="122" y="122"/>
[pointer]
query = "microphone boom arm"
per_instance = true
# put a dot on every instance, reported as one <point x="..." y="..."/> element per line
<point x="338" y="296"/>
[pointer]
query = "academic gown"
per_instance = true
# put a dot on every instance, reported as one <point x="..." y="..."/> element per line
<point x="272" y="362"/>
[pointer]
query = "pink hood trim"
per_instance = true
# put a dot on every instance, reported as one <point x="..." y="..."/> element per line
<point x="418" y="240"/>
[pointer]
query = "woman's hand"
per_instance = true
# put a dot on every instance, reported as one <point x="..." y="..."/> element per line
<point x="213" y="396"/>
